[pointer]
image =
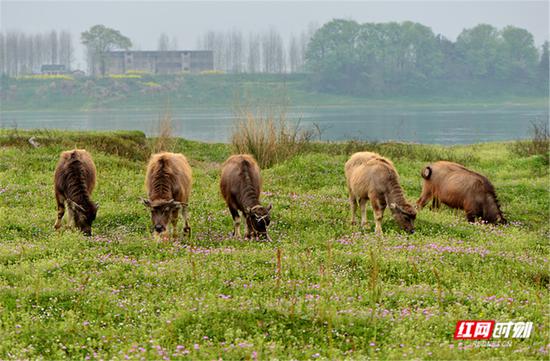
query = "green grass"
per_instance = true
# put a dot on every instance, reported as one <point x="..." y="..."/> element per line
<point x="223" y="90"/>
<point x="340" y="292"/>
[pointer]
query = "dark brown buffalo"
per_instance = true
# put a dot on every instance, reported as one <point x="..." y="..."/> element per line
<point x="240" y="185"/>
<point x="458" y="187"/>
<point x="371" y="176"/>
<point x="74" y="182"/>
<point x="168" y="183"/>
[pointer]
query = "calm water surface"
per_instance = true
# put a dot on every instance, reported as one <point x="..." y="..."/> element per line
<point x="421" y="125"/>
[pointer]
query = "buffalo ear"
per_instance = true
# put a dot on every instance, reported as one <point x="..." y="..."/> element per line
<point x="269" y="207"/>
<point x="146" y="202"/>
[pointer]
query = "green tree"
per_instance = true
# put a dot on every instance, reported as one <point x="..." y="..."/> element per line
<point x="332" y="58"/>
<point x="517" y="56"/>
<point x="408" y="58"/>
<point x="417" y="53"/>
<point x="478" y="48"/>
<point x="99" y="40"/>
<point x="373" y="58"/>
<point x="452" y="68"/>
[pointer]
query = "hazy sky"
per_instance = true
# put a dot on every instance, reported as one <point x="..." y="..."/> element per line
<point x="143" y="21"/>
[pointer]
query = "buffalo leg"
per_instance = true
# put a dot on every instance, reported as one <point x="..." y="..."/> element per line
<point x="186" y="227"/>
<point x="60" y="209"/>
<point x="435" y="203"/>
<point x="473" y="210"/>
<point x="378" y="210"/>
<point x="236" y="222"/>
<point x="174" y="221"/>
<point x="424" y="198"/>
<point x="249" y="229"/>
<point x="70" y="216"/>
<point x="363" y="205"/>
<point x="353" y="207"/>
<point x="471" y="216"/>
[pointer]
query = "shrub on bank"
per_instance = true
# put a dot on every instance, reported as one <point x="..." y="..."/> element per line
<point x="268" y="136"/>
<point x="539" y="144"/>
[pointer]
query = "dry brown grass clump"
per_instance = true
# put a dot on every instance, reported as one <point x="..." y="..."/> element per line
<point x="268" y="136"/>
<point x="164" y="141"/>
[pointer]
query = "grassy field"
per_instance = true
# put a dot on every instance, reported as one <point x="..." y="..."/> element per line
<point x="223" y="90"/>
<point x="322" y="290"/>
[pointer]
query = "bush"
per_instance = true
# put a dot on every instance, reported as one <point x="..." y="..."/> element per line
<point x="268" y="136"/>
<point x="539" y="144"/>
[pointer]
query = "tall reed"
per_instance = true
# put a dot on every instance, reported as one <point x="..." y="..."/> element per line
<point x="267" y="135"/>
<point x="164" y="141"/>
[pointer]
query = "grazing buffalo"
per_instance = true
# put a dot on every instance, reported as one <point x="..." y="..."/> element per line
<point x="362" y="158"/>
<point x="240" y="185"/>
<point x="74" y="182"/>
<point x="168" y="183"/>
<point x="371" y="176"/>
<point x="458" y="187"/>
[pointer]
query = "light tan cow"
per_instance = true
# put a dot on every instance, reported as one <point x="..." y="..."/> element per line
<point x="371" y="176"/>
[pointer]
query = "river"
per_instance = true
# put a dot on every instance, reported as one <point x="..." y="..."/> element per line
<point x="432" y="125"/>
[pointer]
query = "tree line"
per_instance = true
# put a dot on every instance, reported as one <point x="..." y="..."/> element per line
<point x="22" y="53"/>
<point x="344" y="56"/>
<point x="264" y="52"/>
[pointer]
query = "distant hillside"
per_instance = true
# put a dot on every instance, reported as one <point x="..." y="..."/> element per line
<point x="138" y="91"/>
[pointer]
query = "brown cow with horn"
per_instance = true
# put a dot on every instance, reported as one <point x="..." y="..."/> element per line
<point x="458" y="187"/>
<point x="371" y="176"/>
<point x="168" y="182"/>
<point x="240" y="186"/>
<point x="74" y="182"/>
